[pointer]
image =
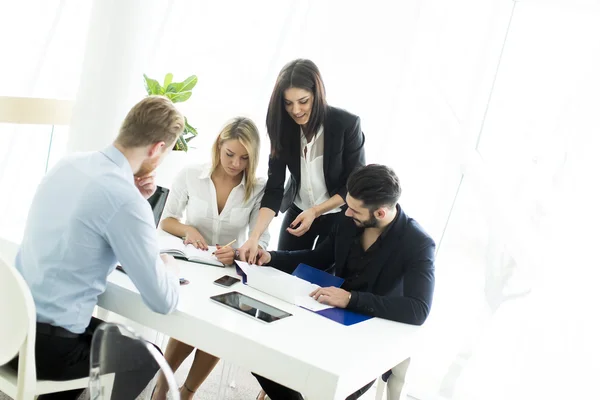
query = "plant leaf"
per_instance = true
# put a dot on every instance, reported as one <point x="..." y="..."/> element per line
<point x="152" y="86"/>
<point x="188" y="84"/>
<point x="172" y="88"/>
<point x="179" y="97"/>
<point x="168" y="80"/>
<point x="190" y="129"/>
<point x="181" y="144"/>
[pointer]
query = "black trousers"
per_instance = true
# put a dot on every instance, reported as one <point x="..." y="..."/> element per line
<point x="59" y="358"/>
<point x="279" y="392"/>
<point x="319" y="230"/>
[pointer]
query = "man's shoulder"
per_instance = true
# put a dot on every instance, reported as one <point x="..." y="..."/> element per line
<point x="416" y="237"/>
<point x="112" y="188"/>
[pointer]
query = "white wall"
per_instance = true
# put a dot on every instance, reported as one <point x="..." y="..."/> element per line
<point x="515" y="220"/>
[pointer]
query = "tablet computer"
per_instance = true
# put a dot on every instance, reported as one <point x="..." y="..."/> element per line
<point x="251" y="307"/>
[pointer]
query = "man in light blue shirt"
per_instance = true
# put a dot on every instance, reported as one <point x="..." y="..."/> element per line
<point x="90" y="212"/>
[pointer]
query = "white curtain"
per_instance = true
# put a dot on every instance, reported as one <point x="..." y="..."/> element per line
<point x="41" y="48"/>
<point x="486" y="109"/>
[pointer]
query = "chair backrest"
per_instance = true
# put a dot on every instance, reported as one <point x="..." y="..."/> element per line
<point x="158" y="201"/>
<point x="122" y="364"/>
<point x="17" y="309"/>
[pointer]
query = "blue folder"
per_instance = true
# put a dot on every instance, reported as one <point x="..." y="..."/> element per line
<point x="342" y="316"/>
<point x="241" y="273"/>
<point x="323" y="279"/>
<point x="316" y="276"/>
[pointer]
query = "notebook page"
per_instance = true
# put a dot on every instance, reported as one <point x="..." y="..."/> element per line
<point x="206" y="256"/>
<point x="170" y="243"/>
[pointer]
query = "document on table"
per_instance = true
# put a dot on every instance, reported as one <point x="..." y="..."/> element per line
<point x="282" y="285"/>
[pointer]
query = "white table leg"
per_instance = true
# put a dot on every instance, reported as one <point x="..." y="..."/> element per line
<point x="225" y="377"/>
<point x="396" y="381"/>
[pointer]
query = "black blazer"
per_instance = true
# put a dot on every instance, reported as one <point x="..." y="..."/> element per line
<point x="400" y="278"/>
<point x="343" y="153"/>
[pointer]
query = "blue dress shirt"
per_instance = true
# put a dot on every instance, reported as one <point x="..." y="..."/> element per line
<point x="86" y="214"/>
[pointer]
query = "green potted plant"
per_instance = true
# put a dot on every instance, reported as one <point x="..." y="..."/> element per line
<point x="178" y="92"/>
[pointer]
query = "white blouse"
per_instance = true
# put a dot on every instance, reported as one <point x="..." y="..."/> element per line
<point x="194" y="193"/>
<point x="313" y="190"/>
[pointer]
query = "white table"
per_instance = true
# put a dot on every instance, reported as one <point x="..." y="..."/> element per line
<point x="306" y="352"/>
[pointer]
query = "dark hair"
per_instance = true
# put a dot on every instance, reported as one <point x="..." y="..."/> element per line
<point x="301" y="74"/>
<point x="375" y="185"/>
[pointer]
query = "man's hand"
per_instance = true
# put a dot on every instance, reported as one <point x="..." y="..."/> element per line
<point x="332" y="296"/>
<point x="146" y="185"/>
<point x="303" y="222"/>
<point x="193" y="237"/>
<point x="167" y="258"/>
<point x="263" y="256"/>
<point x="225" y="254"/>
<point x="170" y="263"/>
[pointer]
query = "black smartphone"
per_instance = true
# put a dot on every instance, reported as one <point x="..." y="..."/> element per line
<point x="226" y="281"/>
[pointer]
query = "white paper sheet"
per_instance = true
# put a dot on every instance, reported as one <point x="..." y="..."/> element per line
<point x="282" y="285"/>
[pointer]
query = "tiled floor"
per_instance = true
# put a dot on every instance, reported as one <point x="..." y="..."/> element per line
<point x="244" y="386"/>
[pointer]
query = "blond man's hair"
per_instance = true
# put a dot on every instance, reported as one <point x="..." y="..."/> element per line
<point x="244" y="130"/>
<point x="152" y="120"/>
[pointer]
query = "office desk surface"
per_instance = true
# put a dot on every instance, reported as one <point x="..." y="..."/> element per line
<point x="307" y="352"/>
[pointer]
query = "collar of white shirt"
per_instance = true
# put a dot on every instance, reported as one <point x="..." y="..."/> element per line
<point x="206" y="171"/>
<point x="303" y="138"/>
<point x="120" y="160"/>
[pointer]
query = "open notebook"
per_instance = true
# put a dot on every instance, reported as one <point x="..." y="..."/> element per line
<point x="174" y="246"/>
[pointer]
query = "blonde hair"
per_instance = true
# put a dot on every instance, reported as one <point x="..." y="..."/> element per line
<point x="152" y="120"/>
<point x="244" y="130"/>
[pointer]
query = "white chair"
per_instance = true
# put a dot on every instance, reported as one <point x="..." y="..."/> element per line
<point x="17" y="334"/>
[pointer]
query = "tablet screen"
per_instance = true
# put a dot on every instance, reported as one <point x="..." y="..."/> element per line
<point x="251" y="307"/>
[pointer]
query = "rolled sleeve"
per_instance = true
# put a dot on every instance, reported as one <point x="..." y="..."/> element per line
<point x="133" y="238"/>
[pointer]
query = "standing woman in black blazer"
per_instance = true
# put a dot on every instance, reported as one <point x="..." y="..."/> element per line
<point x="320" y="145"/>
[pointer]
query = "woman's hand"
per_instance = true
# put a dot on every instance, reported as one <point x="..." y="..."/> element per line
<point x="225" y="254"/>
<point x="193" y="237"/>
<point x="249" y="251"/>
<point x="302" y="223"/>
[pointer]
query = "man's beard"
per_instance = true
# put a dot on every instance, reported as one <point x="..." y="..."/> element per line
<point x="370" y="223"/>
<point x="147" y="167"/>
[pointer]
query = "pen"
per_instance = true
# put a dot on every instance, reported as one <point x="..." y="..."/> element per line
<point x="229" y="244"/>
